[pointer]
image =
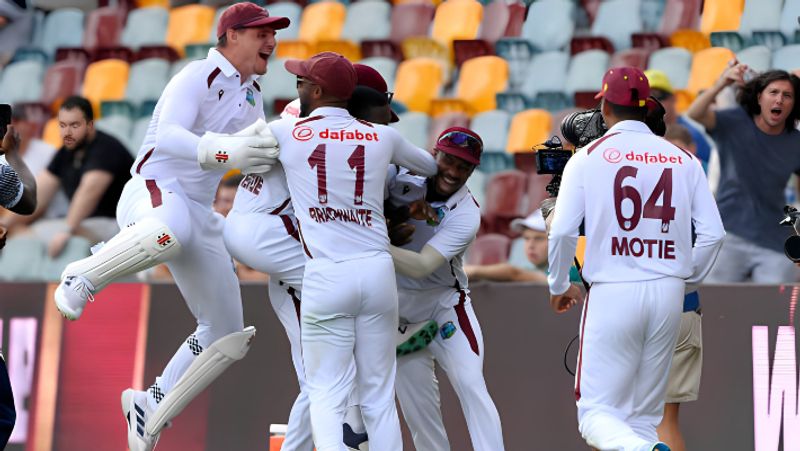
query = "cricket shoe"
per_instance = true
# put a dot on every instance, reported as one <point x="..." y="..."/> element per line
<point x="413" y="337"/>
<point x="136" y="411"/>
<point x="71" y="296"/>
<point x="355" y="441"/>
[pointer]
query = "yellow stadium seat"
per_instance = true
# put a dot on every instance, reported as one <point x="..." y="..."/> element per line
<point x="683" y="100"/>
<point x="105" y="80"/>
<point x="707" y="66"/>
<point x="528" y="128"/>
<point x="147" y="3"/>
<point x="322" y="21"/>
<point x="294" y="49"/>
<point x="349" y="49"/>
<point x="422" y="47"/>
<point x="691" y="40"/>
<point x="190" y="24"/>
<point x="417" y="83"/>
<point x="458" y="19"/>
<point x="480" y="80"/>
<point x="721" y="15"/>
<point x="443" y="106"/>
<point x="51" y="134"/>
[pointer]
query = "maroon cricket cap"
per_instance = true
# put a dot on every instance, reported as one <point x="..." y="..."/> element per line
<point x="625" y="86"/>
<point x="462" y="143"/>
<point x="331" y="71"/>
<point x="371" y="78"/>
<point x="248" y="15"/>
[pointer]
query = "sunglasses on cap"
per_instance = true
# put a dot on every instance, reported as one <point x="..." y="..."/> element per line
<point x="460" y="139"/>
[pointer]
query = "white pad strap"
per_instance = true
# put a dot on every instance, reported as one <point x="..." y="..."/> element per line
<point x="147" y="243"/>
<point x="204" y="369"/>
<point x="253" y="150"/>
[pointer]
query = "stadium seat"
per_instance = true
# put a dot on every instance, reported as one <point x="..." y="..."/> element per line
<point x="788" y="23"/>
<point x="489" y="249"/>
<point x="787" y="58"/>
<point x="414" y="127"/>
<point x="51" y="134"/>
<point x="636" y="57"/>
<point x="103" y="28"/>
<point x="549" y="24"/>
<point x="448" y="105"/>
<point x="367" y="20"/>
<point x="30" y="53"/>
<point x="464" y="49"/>
<point x="493" y="162"/>
<point x="62" y="80"/>
<point x="651" y="11"/>
<point x="536" y="190"/>
<point x="551" y="101"/>
<point x="149" y="3"/>
<point x="147" y="80"/>
<point x="62" y="28"/>
<point x="456" y="20"/>
<point x="505" y="198"/>
<point x="528" y="128"/>
<point x="707" y="65"/>
<point x="546" y="73"/>
<point x="617" y="20"/>
<point x="512" y="102"/>
<point x="586" y="70"/>
<point x="423" y="47"/>
<point x="728" y="39"/>
<point x="349" y="49"/>
<point x="441" y="123"/>
<point x="105" y="80"/>
<point x="118" y="126"/>
<point x="492" y="127"/>
<point x="757" y="57"/>
<point x="385" y="66"/>
<point x="164" y="52"/>
<point x="771" y="38"/>
<point x="582" y="43"/>
<point x="517" y="256"/>
<point x="676" y="62"/>
<point x="76" y="248"/>
<point x="721" y="15"/>
<point x="679" y="14"/>
<point x="498" y="17"/>
<point x="294" y="49"/>
<point x="145" y="26"/>
<point x="22" y="259"/>
<point x="480" y="80"/>
<point x="410" y="19"/>
<point x="760" y="15"/>
<point x="418" y="82"/>
<point x="118" y="108"/>
<point x="322" y="21"/>
<point x="49" y="5"/>
<point x="138" y="133"/>
<point x="519" y="53"/>
<point x="692" y="40"/>
<point x="21" y="82"/>
<point x="281" y="83"/>
<point x="289" y="9"/>
<point x="477" y="186"/>
<point x="190" y="24"/>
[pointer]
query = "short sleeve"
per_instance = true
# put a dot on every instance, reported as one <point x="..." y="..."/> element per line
<point x="108" y="155"/>
<point x="726" y="121"/>
<point x="57" y="163"/>
<point x="456" y="234"/>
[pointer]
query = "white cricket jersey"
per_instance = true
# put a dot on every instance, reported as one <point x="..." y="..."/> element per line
<point x="205" y="96"/>
<point x="336" y="169"/>
<point x="460" y="219"/>
<point x="638" y="196"/>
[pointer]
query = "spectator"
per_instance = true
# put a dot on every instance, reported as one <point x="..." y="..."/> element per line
<point x="92" y="168"/>
<point x="16" y="27"/>
<point x="759" y="149"/>
<point x="534" y="235"/>
<point x="226" y="192"/>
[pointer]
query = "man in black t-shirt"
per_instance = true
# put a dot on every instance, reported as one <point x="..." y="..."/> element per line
<point x="92" y="168"/>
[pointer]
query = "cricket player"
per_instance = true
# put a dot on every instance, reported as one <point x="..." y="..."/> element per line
<point x="433" y="286"/>
<point x="336" y="169"/>
<point x="637" y="196"/>
<point x="261" y="232"/>
<point x="208" y="120"/>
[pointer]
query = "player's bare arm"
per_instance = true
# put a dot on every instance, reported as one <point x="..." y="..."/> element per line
<point x="563" y="302"/>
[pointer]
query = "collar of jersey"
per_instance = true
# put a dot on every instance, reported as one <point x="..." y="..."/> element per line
<point x="224" y="65"/>
<point x="453" y="200"/>
<point x="630" y="126"/>
<point x="329" y="111"/>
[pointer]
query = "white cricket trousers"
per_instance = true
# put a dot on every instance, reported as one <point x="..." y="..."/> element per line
<point x="203" y="270"/>
<point x="628" y="335"/>
<point x="349" y="310"/>
<point x="458" y="348"/>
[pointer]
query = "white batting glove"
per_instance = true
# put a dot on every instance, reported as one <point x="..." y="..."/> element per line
<point x="252" y="150"/>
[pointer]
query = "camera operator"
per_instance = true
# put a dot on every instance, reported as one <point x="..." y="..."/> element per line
<point x="758" y="150"/>
<point x="637" y="196"/>
<point x="18" y="194"/>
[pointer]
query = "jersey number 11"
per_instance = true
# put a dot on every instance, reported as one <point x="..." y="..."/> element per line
<point x="356" y="161"/>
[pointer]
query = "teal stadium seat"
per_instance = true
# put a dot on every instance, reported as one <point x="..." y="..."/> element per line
<point x="586" y="70"/>
<point x="651" y="12"/>
<point x="76" y="248"/>
<point x="547" y="72"/>
<point x="788" y="23"/>
<point x="147" y="80"/>
<point x="62" y="28"/>
<point x="145" y="26"/>
<point x="617" y="20"/>
<point x="518" y="52"/>
<point x="21" y="82"/>
<point x="549" y="25"/>
<point x="367" y="20"/>
<point x="757" y="57"/>
<point x="760" y="15"/>
<point x="22" y="259"/>
<point x="492" y="127"/>
<point x="787" y="58"/>
<point x="414" y="127"/>
<point x="286" y="9"/>
<point x="676" y="62"/>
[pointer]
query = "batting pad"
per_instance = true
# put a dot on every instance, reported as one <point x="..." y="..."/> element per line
<point x="145" y="244"/>
<point x="413" y="337"/>
<point x="204" y="369"/>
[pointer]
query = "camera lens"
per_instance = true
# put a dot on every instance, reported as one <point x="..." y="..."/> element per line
<point x="792" y="248"/>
